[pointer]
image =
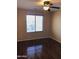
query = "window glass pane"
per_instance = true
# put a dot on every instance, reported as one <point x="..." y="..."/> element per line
<point x="39" y="23"/>
<point x="30" y="23"/>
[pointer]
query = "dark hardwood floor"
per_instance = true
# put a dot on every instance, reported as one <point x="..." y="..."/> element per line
<point x="45" y="48"/>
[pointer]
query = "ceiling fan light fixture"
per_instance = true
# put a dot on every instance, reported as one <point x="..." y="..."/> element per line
<point x="46" y="7"/>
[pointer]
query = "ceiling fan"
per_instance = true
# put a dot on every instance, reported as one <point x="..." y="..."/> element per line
<point x="47" y="5"/>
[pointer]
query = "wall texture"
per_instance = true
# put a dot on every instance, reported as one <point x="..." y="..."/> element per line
<point x="21" y="26"/>
<point x="56" y="26"/>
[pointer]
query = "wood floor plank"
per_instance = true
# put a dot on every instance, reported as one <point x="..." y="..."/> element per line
<point x="45" y="48"/>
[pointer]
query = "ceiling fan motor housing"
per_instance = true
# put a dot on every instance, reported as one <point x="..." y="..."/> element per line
<point x="46" y="3"/>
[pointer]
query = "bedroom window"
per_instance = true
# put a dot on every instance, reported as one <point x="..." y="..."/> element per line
<point x="34" y="23"/>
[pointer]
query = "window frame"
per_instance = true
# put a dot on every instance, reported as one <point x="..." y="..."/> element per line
<point x="35" y="23"/>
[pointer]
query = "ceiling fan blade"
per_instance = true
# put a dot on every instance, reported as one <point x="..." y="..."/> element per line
<point x="55" y="7"/>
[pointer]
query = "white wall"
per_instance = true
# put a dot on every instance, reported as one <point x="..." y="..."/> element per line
<point x="56" y="26"/>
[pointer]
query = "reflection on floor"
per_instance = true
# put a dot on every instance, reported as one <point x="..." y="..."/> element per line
<point x="34" y="51"/>
<point x="39" y="49"/>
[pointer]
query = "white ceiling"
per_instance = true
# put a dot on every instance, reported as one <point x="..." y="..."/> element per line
<point x="35" y="4"/>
